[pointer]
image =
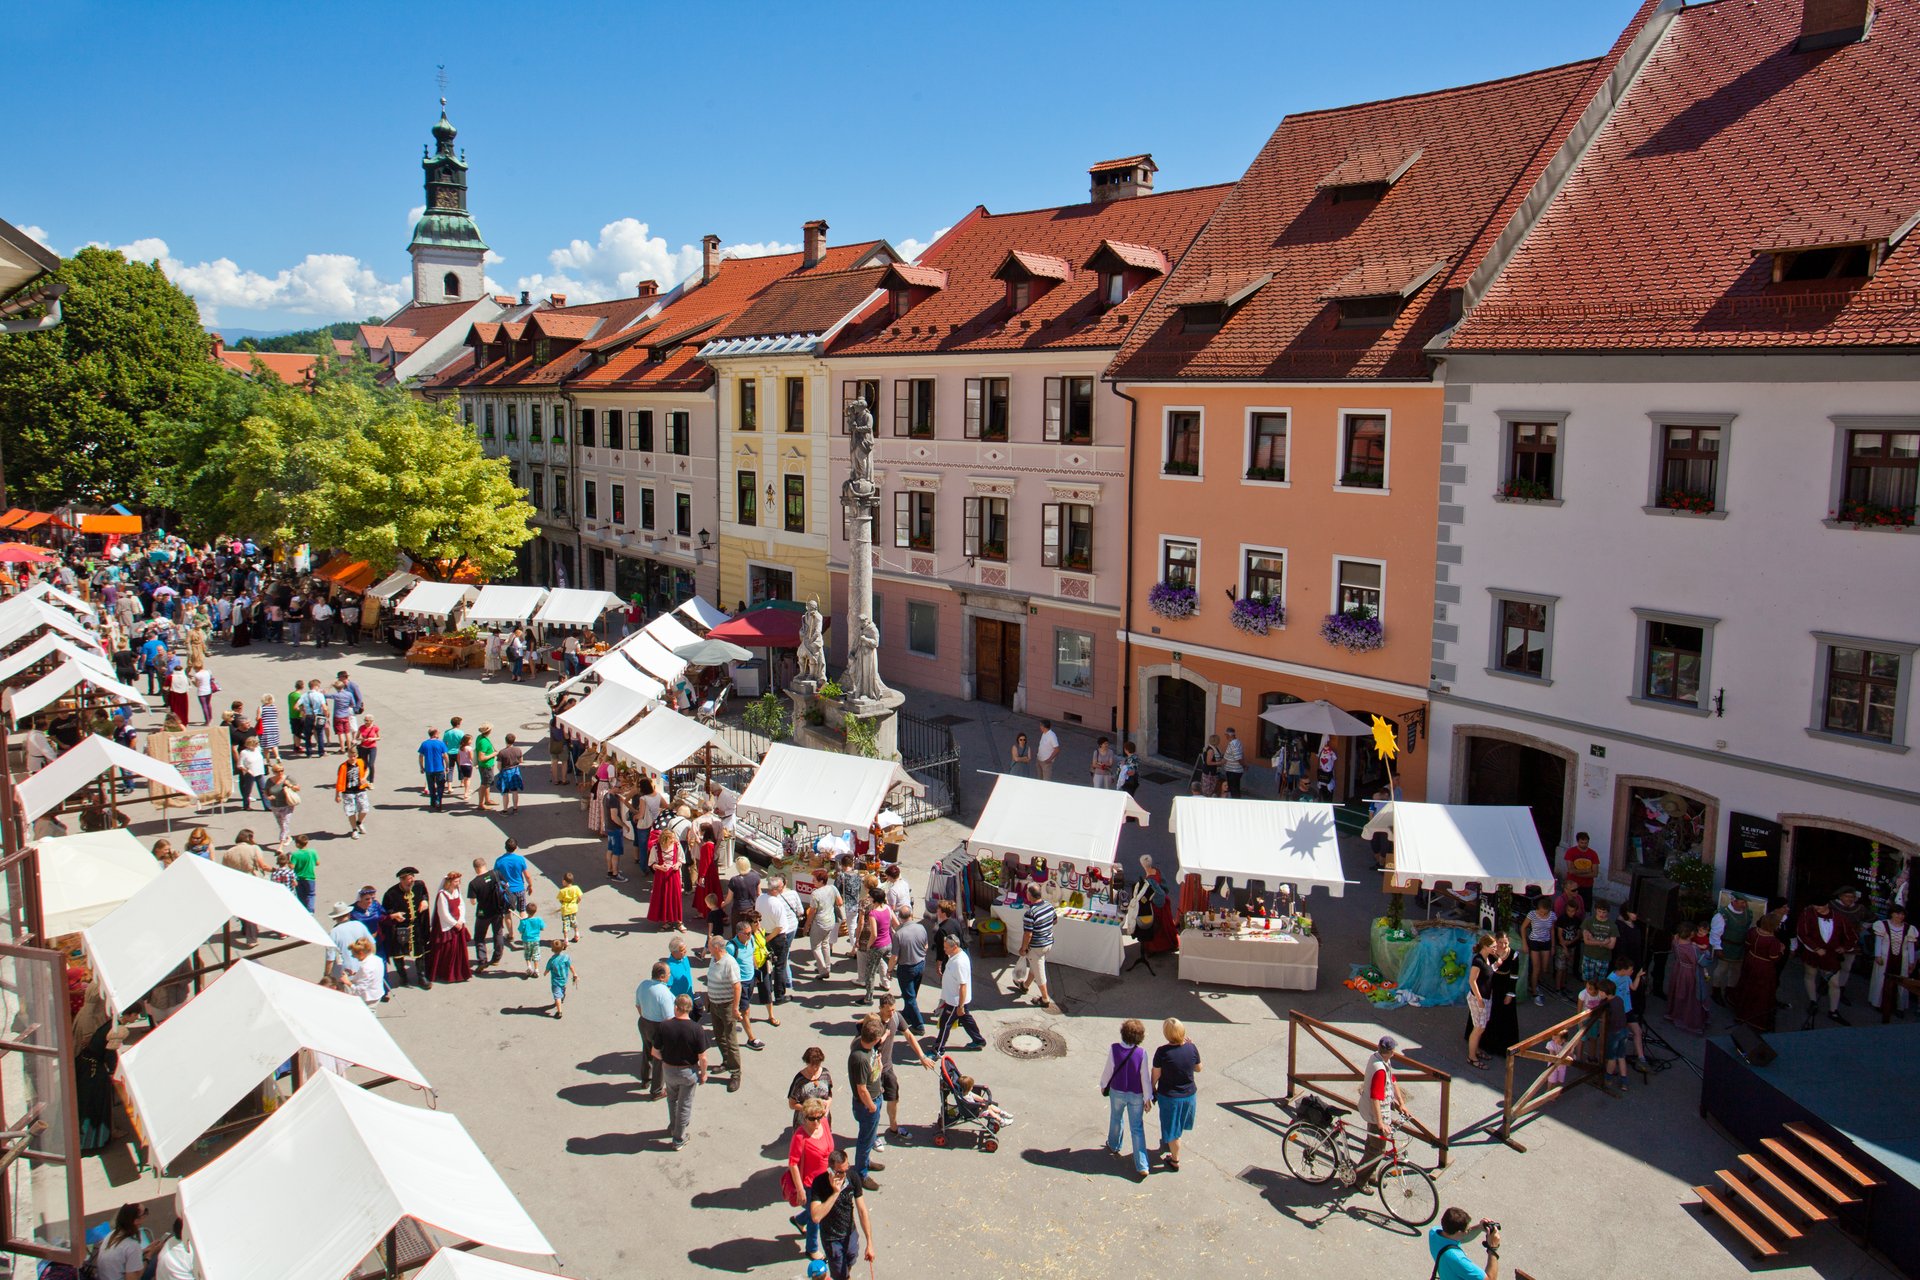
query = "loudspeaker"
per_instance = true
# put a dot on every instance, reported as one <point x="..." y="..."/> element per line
<point x="1752" y="1046"/>
<point x="1657" y="899"/>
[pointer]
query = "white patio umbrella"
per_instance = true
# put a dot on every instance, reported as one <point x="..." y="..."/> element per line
<point x="711" y="653"/>
<point x="1318" y="716"/>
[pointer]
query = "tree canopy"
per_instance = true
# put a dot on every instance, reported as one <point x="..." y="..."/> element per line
<point x="75" y="399"/>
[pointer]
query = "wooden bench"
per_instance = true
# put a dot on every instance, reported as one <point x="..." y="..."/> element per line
<point x="1784" y="1189"/>
<point x="1831" y="1154"/>
<point x="1750" y="1195"/>
<point x="1761" y="1246"/>
<point x="1813" y="1178"/>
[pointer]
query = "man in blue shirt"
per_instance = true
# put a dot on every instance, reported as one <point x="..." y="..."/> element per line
<point x="1447" y="1242"/>
<point x="515" y="878"/>
<point x="654" y="1003"/>
<point x="150" y="660"/>
<point x="433" y="763"/>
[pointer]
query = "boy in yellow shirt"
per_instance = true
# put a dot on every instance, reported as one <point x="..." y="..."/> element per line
<point x="569" y="896"/>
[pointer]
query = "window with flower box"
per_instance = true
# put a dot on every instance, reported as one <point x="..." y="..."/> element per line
<point x="1359" y="586"/>
<point x="1066" y="536"/>
<point x="486" y="419"/>
<point x="1882" y="478"/>
<point x="913" y="524"/>
<point x="913" y="408"/>
<point x="989" y="408"/>
<point x="1180" y="563"/>
<point x="985" y="528"/>
<point x="533" y="422"/>
<point x="513" y="423"/>
<point x="1267" y="446"/>
<point x="1363" y="451"/>
<point x="1689" y="468"/>
<point x="1532" y="463"/>
<point x="1181" y="448"/>
<point x="1069" y="411"/>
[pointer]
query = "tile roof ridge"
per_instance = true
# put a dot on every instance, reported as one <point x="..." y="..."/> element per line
<point x="1445" y="91"/>
<point x="1131" y="201"/>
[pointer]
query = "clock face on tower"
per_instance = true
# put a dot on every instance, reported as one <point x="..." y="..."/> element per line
<point x="445" y="198"/>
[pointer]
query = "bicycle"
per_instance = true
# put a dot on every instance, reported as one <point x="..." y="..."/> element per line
<point x="1315" y="1153"/>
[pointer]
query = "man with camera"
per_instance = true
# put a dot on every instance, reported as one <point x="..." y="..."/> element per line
<point x="1448" y="1243"/>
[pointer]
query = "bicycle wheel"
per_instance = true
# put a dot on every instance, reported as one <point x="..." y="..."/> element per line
<point x="1408" y="1193"/>
<point x="1308" y="1151"/>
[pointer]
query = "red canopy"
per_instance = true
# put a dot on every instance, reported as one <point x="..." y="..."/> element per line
<point x="762" y="629"/>
<point x="21" y="553"/>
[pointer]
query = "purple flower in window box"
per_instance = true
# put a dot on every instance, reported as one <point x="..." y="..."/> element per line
<point x="1256" y="615"/>
<point x="1171" y="601"/>
<point x="1355" y="631"/>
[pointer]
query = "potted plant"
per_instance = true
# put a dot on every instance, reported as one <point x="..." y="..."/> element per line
<point x="1256" y="615"/>
<point x="1356" y="631"/>
<point x="1267" y="473"/>
<point x="1173" y="468"/>
<point x="1686" y="500"/>
<point x="1364" y="478"/>
<point x="1872" y="515"/>
<point x="1521" y="489"/>
<point x="1172" y="601"/>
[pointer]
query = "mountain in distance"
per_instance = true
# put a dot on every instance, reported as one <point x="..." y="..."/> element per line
<point x="294" y="340"/>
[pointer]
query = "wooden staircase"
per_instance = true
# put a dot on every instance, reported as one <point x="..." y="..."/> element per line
<point x="1794" y="1182"/>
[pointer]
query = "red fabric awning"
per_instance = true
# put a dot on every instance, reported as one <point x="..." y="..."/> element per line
<point x="12" y="517"/>
<point x="762" y="629"/>
<point x="32" y="520"/>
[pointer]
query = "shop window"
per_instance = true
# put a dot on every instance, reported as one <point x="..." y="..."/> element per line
<point x="1073" y="660"/>
<point x="923" y="628"/>
<point x="1663" y="825"/>
<point x="1363" y="451"/>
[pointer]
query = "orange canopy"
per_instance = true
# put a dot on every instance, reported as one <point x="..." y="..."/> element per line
<point x="332" y="568"/>
<point x="110" y="524"/>
<point x="13" y="514"/>
<point x="32" y="520"/>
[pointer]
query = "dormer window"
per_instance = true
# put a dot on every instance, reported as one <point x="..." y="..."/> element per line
<point x="1113" y="289"/>
<point x="907" y="286"/>
<point x="1208" y="302"/>
<point x="1029" y="276"/>
<point x="1019" y="295"/>
<point x="1124" y="267"/>
<point x="898" y="303"/>
<point x="1369" y="173"/>
<point x="1372" y="295"/>
<point x="1835" y="245"/>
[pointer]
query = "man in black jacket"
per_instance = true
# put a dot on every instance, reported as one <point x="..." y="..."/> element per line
<point x="409" y="928"/>
<point x="489" y="915"/>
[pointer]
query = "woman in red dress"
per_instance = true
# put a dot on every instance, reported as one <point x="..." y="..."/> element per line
<point x="706" y="878"/>
<point x="449" y="961"/>
<point x="1166" y="934"/>
<point x="663" y="904"/>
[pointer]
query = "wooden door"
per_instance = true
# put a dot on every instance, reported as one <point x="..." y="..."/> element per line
<point x="996" y="660"/>
<point x="1181" y="711"/>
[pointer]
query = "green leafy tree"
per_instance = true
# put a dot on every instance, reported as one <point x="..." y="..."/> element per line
<point x="75" y="399"/>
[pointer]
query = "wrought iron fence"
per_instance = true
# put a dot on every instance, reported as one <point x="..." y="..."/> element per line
<point x="928" y="754"/>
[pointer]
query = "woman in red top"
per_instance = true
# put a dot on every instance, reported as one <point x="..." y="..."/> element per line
<point x="807" y="1155"/>
<point x="369" y="743"/>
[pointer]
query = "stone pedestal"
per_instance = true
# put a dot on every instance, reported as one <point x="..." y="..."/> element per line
<point x="886" y="725"/>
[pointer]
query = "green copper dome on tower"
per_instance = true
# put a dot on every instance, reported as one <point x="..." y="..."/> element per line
<point x="446" y="222"/>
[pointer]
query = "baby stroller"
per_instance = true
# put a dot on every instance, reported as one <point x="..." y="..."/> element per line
<point x="956" y="1112"/>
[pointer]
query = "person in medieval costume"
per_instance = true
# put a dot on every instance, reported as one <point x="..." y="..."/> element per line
<point x="409" y="924"/>
<point x="1727" y="937"/>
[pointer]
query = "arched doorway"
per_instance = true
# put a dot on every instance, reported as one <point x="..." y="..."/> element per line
<point x="1505" y="771"/>
<point x="1828" y="853"/>
<point x="1180" y="719"/>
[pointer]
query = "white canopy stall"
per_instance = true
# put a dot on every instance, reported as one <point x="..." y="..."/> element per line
<point x="86" y="762"/>
<point x="1077" y="831"/>
<point x="664" y="740"/>
<point x="1274" y="842"/>
<point x="357" y="1165"/>
<point x="669" y="633"/>
<point x="705" y="617"/>
<point x="51" y="646"/>
<point x="822" y="789"/>
<point x="36" y="616"/>
<point x="259" y="1017"/>
<point x="436" y="599"/>
<point x="453" y="1264"/>
<point x="574" y="607"/>
<point x="652" y="657"/>
<point x="84" y="878"/>
<point x="393" y="584"/>
<point x="65" y="679"/>
<point x="611" y="668"/>
<point x="1491" y="846"/>
<point x="166" y="923"/>
<point x="604" y="712"/>
<point x="497" y="604"/>
<point x="54" y="595"/>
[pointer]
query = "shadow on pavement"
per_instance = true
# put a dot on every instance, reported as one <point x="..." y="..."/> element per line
<point x="601" y="1094"/>
<point x="743" y="1255"/>
<point x="1070" y="1160"/>
<point x="761" y="1189"/>
<point x="625" y="1062"/>
<point x="620" y="1144"/>
<point x="1300" y="1202"/>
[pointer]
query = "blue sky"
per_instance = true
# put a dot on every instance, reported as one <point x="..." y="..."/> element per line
<point x="268" y="154"/>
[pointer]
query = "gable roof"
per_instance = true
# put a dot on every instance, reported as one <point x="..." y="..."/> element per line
<point x="1729" y="145"/>
<point x="293" y="368"/>
<point x="970" y="312"/>
<point x="808" y="303"/>
<point x="1475" y="144"/>
<point x="568" y="325"/>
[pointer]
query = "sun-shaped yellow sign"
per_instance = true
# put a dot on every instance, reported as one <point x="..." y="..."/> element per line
<point x="1383" y="741"/>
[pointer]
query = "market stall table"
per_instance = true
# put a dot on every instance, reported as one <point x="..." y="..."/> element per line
<point x="1250" y="957"/>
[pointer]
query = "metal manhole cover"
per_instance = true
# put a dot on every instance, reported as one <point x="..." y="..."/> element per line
<point x="1031" y="1042"/>
<point x="1159" y="779"/>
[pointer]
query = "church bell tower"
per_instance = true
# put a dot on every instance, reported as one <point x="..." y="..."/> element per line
<point x="448" y="253"/>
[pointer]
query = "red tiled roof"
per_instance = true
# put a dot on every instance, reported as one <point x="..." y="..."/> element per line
<point x="1217" y="288"/>
<point x="1727" y="142"/>
<point x="343" y="346"/>
<point x="293" y="368"/>
<point x="1022" y="264"/>
<point x="914" y="277"/>
<point x="970" y="313"/>
<point x="451" y="374"/>
<point x="1368" y="165"/>
<point x="405" y="342"/>
<point x="1476" y="142"/>
<point x="484" y="331"/>
<point x="812" y="302"/>
<point x="565" y="324"/>
<point x="1124" y="162"/>
<point x="1142" y="257"/>
<point x="1828" y="228"/>
<point x="1388" y="275"/>
<point x="425" y="321"/>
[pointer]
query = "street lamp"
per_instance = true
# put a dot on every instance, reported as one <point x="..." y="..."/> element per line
<point x="706" y="540"/>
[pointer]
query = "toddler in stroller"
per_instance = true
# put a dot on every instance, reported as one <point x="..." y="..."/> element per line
<point x="964" y="1103"/>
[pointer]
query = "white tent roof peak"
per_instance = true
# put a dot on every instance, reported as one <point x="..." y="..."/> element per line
<point x="705" y="615"/>
<point x="85" y="877"/>
<point x="169" y="920"/>
<point x="436" y="599"/>
<point x="612" y="668"/>
<point x="1494" y="846"/>
<point x="64" y="679"/>
<point x="54" y="595"/>
<point x="357" y="1164"/>
<point x="604" y="712"/>
<point x="1273" y="841"/>
<point x="574" y="607"/>
<point x="51" y="645"/>
<point x="259" y="1017"/>
<point x="821" y="788"/>
<point x="86" y="760"/>
<point x="499" y="603"/>
<point x="652" y="657"/>
<point x="664" y="739"/>
<point x="36" y="615"/>
<point x="669" y="632"/>
<point x="1055" y="820"/>
<point x="393" y="584"/>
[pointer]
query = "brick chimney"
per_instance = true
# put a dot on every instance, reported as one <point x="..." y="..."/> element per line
<point x="709" y="258"/>
<point x="1126" y="177"/>
<point x="646" y="289"/>
<point x="814" y="234"/>
<point x="523" y="297"/>
<point x="1827" y="23"/>
<point x="219" y="346"/>
<point x="558" y="299"/>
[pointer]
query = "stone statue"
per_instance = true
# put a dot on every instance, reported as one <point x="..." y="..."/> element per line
<point x="813" y="647"/>
<point x="863" y="666"/>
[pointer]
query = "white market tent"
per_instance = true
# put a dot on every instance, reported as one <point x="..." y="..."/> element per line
<point x="612" y="668"/>
<point x="1054" y="820"/>
<point x="664" y="740"/>
<point x="604" y="712"/>
<point x="35" y="616"/>
<point x="454" y="1264"/>
<point x="506" y="604"/>
<point x="1494" y="846"/>
<point x="85" y="761"/>
<point x="1273" y="841"/>
<point x="51" y="646"/>
<point x="393" y="584"/>
<point x="85" y="877"/>
<point x="64" y="679"/>
<point x="436" y="599"/>
<point x="259" y="1017"/>
<point x="821" y="788"/>
<point x="356" y="1164"/>
<point x="653" y="658"/>
<point x="702" y="614"/>
<point x="668" y="633"/>
<point x="574" y="607"/>
<point x="169" y="920"/>
<point x="54" y="595"/>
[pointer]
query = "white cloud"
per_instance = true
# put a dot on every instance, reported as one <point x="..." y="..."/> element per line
<point x="321" y="284"/>
<point x="413" y="215"/>
<point x="911" y="249"/>
<point x="39" y="236"/>
<point x="626" y="253"/>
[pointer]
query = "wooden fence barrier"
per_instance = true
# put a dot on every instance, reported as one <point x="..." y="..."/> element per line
<point x="1516" y="1108"/>
<point x="1406" y="1070"/>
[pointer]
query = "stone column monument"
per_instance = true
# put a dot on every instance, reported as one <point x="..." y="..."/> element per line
<point x="868" y="696"/>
